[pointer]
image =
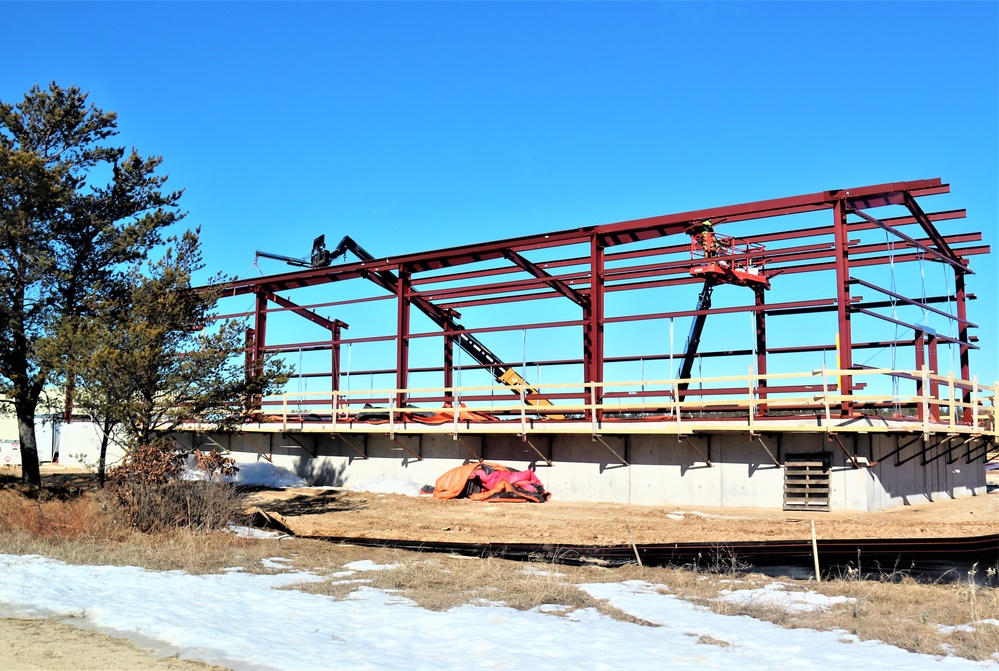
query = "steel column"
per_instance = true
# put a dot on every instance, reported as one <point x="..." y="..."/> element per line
<point x="920" y="360"/>
<point x="258" y="346"/>
<point x="260" y="328"/>
<point x="250" y="338"/>
<point x="761" y="348"/>
<point x="934" y="370"/>
<point x="593" y="317"/>
<point x="335" y="346"/>
<point x="962" y="334"/>
<point x="449" y="368"/>
<point x="842" y="243"/>
<point x="402" y="335"/>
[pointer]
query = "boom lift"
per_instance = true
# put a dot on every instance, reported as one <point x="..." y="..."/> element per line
<point x="445" y="318"/>
<point x="719" y="259"/>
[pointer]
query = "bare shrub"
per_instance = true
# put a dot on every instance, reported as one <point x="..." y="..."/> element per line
<point x="215" y="464"/>
<point x="146" y="491"/>
<point x="196" y="505"/>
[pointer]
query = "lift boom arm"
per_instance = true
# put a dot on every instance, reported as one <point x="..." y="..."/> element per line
<point x="694" y="338"/>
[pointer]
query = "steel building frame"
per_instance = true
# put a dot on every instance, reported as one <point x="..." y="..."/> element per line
<point x="453" y="279"/>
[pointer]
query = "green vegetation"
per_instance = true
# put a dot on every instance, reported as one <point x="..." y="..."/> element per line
<point x="81" y="306"/>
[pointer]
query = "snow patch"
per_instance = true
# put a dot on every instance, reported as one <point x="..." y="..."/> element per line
<point x="246" y="621"/>
<point x="257" y="474"/>
<point x="776" y="594"/>
<point x="368" y="565"/>
<point x="388" y="486"/>
<point x="970" y="627"/>
<point x="264" y="474"/>
<point x="250" y="532"/>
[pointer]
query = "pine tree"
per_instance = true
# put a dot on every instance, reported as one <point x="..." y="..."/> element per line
<point x="155" y="357"/>
<point x="66" y="236"/>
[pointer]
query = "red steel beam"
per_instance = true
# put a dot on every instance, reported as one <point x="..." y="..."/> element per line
<point x="931" y="339"/>
<point x="940" y="256"/>
<point x="964" y="337"/>
<point x="912" y="301"/>
<point x="402" y="341"/>
<point x="930" y="229"/>
<point x="761" y="344"/>
<point x="617" y="275"/>
<point x="611" y="234"/>
<point x="586" y="280"/>
<point x="540" y="273"/>
<point x="845" y="342"/>
<point x="613" y="257"/>
<point x="301" y="311"/>
<point x="593" y="316"/>
<point x="914" y="327"/>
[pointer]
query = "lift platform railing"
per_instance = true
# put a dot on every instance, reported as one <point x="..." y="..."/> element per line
<point x="939" y="406"/>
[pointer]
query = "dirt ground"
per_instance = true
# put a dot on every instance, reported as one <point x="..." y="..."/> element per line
<point x="47" y="645"/>
<point x="337" y="512"/>
<point x="333" y="512"/>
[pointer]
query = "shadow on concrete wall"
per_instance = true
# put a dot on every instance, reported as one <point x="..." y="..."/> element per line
<point x="320" y="472"/>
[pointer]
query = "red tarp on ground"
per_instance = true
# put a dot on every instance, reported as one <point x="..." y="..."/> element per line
<point x="484" y="481"/>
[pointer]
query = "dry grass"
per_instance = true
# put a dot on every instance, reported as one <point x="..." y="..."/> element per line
<point x="935" y="619"/>
<point x="443" y="582"/>
<point x="914" y="616"/>
<point x="711" y="640"/>
<point x="49" y="518"/>
<point x="79" y="530"/>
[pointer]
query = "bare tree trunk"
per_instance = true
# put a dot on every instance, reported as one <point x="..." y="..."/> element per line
<point x="30" y="474"/>
<point x="102" y="462"/>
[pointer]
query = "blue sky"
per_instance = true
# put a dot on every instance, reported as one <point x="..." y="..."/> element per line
<point x="418" y="125"/>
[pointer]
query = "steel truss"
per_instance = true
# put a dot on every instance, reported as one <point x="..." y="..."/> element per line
<point x="649" y="254"/>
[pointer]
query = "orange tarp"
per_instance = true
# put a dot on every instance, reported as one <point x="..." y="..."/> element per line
<point x="454" y="483"/>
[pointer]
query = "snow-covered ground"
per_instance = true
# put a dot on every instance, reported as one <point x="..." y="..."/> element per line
<point x="246" y="621"/>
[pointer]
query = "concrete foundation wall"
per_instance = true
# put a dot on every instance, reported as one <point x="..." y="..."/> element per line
<point x="661" y="470"/>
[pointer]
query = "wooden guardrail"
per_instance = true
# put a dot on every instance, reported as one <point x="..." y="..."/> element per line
<point x="942" y="403"/>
